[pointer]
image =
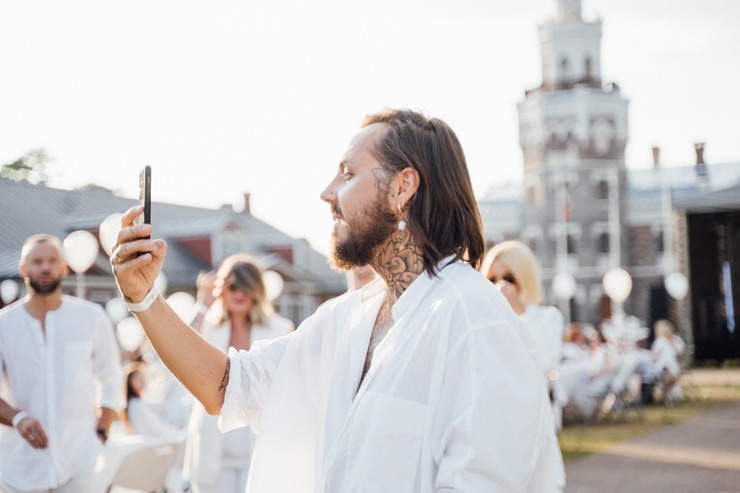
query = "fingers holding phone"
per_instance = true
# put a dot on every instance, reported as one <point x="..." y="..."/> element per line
<point x="136" y="260"/>
<point x="145" y="194"/>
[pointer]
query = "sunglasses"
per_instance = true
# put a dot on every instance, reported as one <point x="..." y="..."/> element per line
<point x="506" y="277"/>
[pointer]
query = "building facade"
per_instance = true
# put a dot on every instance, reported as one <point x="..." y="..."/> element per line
<point x="583" y="212"/>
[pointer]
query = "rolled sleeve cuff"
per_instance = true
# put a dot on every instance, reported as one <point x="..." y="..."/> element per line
<point x="233" y="414"/>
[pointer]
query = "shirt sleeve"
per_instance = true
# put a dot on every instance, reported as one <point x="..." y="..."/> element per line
<point x="106" y="363"/>
<point x="250" y="376"/>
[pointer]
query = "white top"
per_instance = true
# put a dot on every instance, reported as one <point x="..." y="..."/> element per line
<point x="452" y="401"/>
<point x="54" y="377"/>
<point x="547" y="326"/>
<point x="665" y="354"/>
<point x="145" y="421"/>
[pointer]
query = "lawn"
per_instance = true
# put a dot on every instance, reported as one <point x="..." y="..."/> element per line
<point x="578" y="440"/>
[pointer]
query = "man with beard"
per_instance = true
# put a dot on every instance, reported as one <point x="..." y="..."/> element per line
<point x="55" y="350"/>
<point x="418" y="381"/>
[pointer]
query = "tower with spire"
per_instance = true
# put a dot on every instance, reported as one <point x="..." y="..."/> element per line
<point x="573" y="133"/>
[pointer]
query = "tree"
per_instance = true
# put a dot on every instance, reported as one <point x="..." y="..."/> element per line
<point x="30" y="167"/>
<point x="94" y="187"/>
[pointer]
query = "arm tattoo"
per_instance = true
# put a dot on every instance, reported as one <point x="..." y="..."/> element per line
<point x="226" y="375"/>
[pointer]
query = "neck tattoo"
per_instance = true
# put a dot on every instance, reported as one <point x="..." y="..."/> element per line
<point x="399" y="267"/>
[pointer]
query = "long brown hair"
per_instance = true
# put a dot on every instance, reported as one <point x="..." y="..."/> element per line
<point x="129" y="391"/>
<point x="247" y="274"/>
<point x="443" y="215"/>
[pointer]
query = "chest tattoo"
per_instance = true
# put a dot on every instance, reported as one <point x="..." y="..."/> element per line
<point x="382" y="326"/>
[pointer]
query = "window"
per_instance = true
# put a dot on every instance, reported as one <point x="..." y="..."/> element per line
<point x="602" y="189"/>
<point x="659" y="242"/>
<point x="603" y="243"/>
<point x="564" y="66"/>
<point x="572" y="244"/>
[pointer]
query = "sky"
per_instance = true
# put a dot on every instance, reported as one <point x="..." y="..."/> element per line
<point x="226" y="97"/>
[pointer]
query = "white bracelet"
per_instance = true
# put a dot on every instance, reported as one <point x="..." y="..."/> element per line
<point x="19" y="416"/>
<point x="145" y="303"/>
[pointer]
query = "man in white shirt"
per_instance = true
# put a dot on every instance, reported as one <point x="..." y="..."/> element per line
<point x="55" y="351"/>
<point x="418" y="381"/>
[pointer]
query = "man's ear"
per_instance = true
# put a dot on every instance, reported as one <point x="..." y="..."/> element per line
<point x="405" y="185"/>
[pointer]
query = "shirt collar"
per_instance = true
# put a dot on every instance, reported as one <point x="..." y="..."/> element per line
<point x="417" y="289"/>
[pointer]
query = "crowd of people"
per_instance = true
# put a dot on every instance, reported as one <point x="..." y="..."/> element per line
<point x="424" y="376"/>
<point x="597" y="361"/>
<point x="583" y="363"/>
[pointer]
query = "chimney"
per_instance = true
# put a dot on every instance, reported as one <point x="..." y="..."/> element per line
<point x="656" y="157"/>
<point x="699" y="147"/>
<point x="701" y="167"/>
<point x="247" y="203"/>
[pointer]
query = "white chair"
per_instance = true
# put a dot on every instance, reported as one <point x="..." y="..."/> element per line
<point x="617" y="395"/>
<point x="137" y="463"/>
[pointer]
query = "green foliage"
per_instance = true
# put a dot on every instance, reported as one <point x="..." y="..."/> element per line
<point x="713" y="363"/>
<point x="31" y="167"/>
<point x="93" y="187"/>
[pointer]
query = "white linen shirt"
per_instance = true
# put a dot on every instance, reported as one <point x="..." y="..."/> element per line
<point x="52" y="375"/>
<point x="452" y="400"/>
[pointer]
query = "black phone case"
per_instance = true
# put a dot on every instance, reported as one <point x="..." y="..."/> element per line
<point x="145" y="193"/>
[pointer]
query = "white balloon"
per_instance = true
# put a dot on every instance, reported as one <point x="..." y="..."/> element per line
<point x="8" y="291"/>
<point x="80" y="250"/>
<point x="160" y="283"/>
<point x="617" y="284"/>
<point x="564" y="285"/>
<point x="677" y="285"/>
<point x="108" y="232"/>
<point x="116" y="309"/>
<point x="130" y="334"/>
<point x="273" y="284"/>
<point x="182" y="303"/>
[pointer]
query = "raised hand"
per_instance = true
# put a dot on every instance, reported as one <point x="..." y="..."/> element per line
<point x="136" y="260"/>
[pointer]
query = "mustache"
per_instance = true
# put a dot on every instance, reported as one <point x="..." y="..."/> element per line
<point x="335" y="210"/>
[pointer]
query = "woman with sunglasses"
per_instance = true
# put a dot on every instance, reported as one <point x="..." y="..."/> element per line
<point x="512" y="267"/>
<point x="232" y="310"/>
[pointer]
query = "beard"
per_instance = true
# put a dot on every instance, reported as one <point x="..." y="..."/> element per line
<point x="46" y="287"/>
<point x="371" y="228"/>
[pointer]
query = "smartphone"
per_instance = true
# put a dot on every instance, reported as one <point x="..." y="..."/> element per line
<point x="145" y="194"/>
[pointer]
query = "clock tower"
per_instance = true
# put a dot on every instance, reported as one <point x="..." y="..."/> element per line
<point x="573" y="134"/>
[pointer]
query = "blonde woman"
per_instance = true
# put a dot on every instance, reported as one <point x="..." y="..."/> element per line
<point x="512" y="267"/>
<point x="232" y="311"/>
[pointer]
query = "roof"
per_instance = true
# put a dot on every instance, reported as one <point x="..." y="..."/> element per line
<point x="30" y="209"/>
<point x="724" y="200"/>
